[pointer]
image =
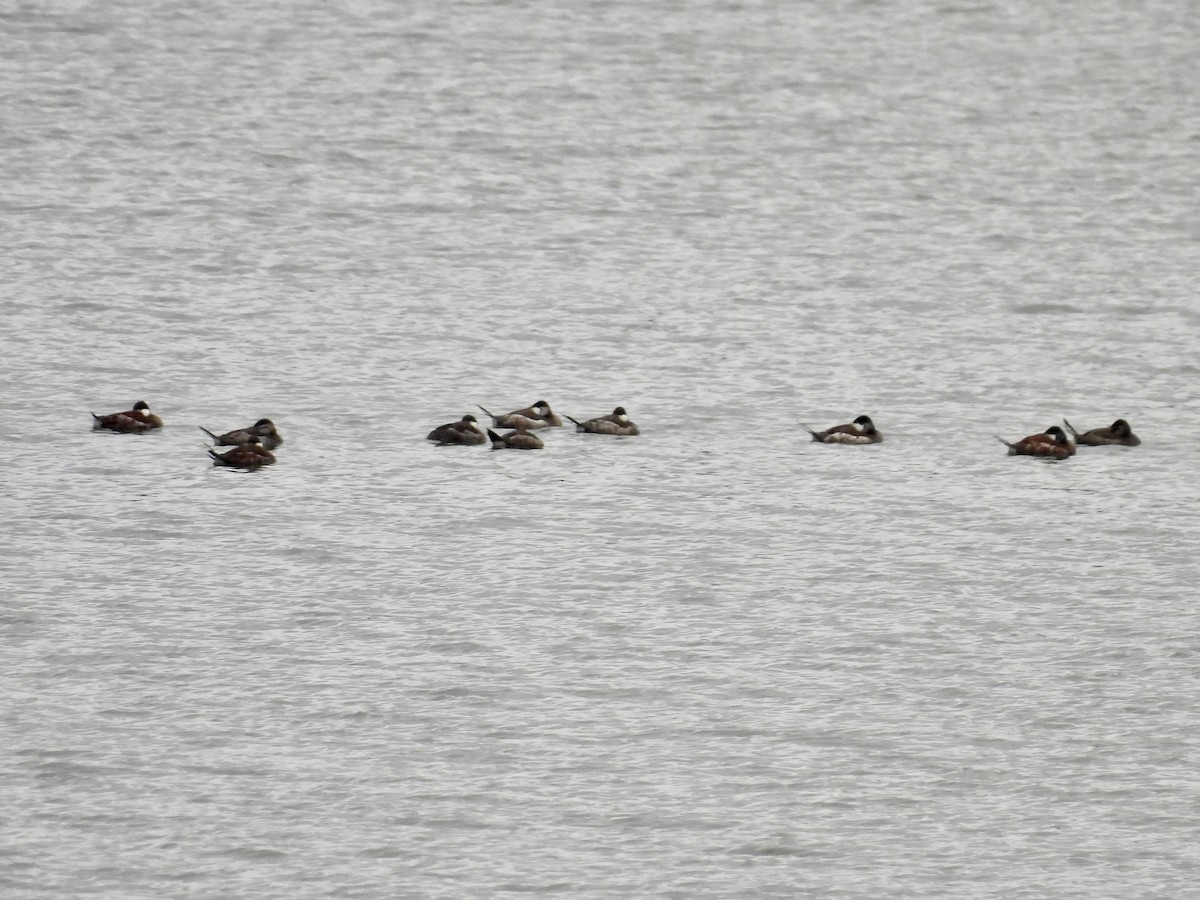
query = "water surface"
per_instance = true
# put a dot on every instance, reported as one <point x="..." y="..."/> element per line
<point x="715" y="660"/>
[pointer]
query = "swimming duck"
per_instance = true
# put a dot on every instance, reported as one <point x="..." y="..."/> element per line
<point x="1118" y="432"/>
<point x="616" y="422"/>
<point x="263" y="428"/>
<point x="861" y="431"/>
<point x="1053" y="442"/>
<point x="135" y="421"/>
<point x="520" y="439"/>
<point x="538" y="415"/>
<point x="465" y="431"/>
<point x="250" y="455"/>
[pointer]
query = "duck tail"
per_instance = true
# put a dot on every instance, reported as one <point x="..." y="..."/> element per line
<point x="1007" y="444"/>
<point x="1071" y="428"/>
<point x="215" y="455"/>
<point x="490" y="414"/>
<point x="576" y="421"/>
<point x="497" y="441"/>
<point x="209" y="433"/>
<point x="816" y="435"/>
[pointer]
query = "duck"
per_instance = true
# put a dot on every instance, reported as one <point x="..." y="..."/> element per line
<point x="250" y="455"/>
<point x="616" y="422"/>
<point x="520" y="439"/>
<point x="263" y="428"/>
<point x="1118" y="432"/>
<point x="539" y="415"/>
<point x="465" y="431"/>
<point x="1052" y="443"/>
<point x="861" y="431"/>
<point x="138" y="420"/>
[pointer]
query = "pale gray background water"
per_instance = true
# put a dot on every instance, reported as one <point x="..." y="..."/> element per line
<point x="712" y="661"/>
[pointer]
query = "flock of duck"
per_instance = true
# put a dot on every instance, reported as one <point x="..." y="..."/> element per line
<point x="253" y="445"/>
<point x="524" y="421"/>
<point x="1053" y="443"/>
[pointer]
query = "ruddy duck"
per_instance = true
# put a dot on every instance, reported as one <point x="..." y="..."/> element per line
<point x="536" y="416"/>
<point x="860" y="431"/>
<point x="616" y="422"/>
<point x="465" y="431"/>
<point x="263" y="428"/>
<point x="520" y="439"/>
<point x="1118" y="432"/>
<point x="136" y="421"/>
<point x="1053" y="443"/>
<point x="250" y="455"/>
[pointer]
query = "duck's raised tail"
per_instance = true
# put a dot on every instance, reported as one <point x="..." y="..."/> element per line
<point x="1071" y="428"/>
<point x="209" y="433"/>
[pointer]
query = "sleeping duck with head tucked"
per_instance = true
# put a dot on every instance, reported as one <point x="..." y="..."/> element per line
<point x="250" y="455"/>
<point x="616" y="422"/>
<point x="1118" y="432"/>
<point x="135" y="421"/>
<point x="465" y="431"/>
<point x="264" y="429"/>
<point x="861" y="431"/>
<point x="520" y="439"/>
<point x="1052" y="443"/>
<point x="539" y="415"/>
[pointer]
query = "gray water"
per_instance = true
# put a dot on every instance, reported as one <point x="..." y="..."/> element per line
<point x="716" y="660"/>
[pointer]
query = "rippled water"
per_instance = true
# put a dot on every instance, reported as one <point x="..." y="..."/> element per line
<point x="715" y="660"/>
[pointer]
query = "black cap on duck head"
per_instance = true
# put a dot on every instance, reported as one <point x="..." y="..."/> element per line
<point x="1121" y="428"/>
<point x="1060" y="436"/>
<point x="541" y="404"/>
<point x="264" y="422"/>
<point x="619" y="411"/>
<point x="865" y="422"/>
<point x="141" y="404"/>
<point x="468" y="418"/>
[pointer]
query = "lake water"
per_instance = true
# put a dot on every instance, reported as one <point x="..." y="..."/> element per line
<point x="716" y="660"/>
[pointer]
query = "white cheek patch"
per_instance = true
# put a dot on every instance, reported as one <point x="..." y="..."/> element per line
<point x="622" y="418"/>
